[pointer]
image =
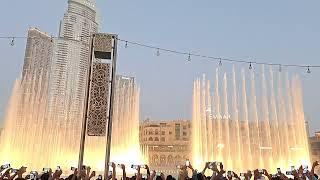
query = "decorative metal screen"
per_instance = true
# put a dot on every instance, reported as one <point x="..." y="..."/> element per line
<point x="99" y="99"/>
<point x="103" y="46"/>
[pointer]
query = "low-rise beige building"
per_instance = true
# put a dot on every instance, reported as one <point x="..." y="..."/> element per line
<point x="315" y="148"/>
<point x="168" y="142"/>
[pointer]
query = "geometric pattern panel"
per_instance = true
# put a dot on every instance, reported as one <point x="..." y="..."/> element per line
<point x="99" y="99"/>
<point x="103" y="42"/>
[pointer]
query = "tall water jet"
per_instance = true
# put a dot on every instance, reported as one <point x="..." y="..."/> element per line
<point x="255" y="131"/>
<point x="265" y="130"/>
<point x="245" y="134"/>
<point x="283" y="121"/>
<point x="275" y="135"/>
<point x="226" y="128"/>
<point x="236" y="126"/>
<point x="218" y="116"/>
<point x="255" y="128"/>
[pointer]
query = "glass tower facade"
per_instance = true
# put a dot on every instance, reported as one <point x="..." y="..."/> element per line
<point x="70" y="62"/>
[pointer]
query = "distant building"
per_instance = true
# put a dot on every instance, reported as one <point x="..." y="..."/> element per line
<point x="70" y="62"/>
<point x="38" y="55"/>
<point x="168" y="142"/>
<point x="35" y="74"/>
<point x="315" y="147"/>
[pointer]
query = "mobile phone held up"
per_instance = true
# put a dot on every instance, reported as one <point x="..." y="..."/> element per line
<point x="187" y="163"/>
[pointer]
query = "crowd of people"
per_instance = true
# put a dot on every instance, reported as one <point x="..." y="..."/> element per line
<point x="186" y="171"/>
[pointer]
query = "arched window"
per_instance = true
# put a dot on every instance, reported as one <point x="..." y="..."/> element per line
<point x="150" y="139"/>
<point x="156" y="139"/>
<point x="155" y="159"/>
<point x="162" y="160"/>
<point x="178" y="160"/>
<point x="170" y="160"/>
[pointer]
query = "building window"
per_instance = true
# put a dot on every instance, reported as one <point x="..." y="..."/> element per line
<point x="155" y="159"/>
<point x="162" y="159"/>
<point x="178" y="159"/>
<point x="163" y="132"/>
<point x="170" y="132"/>
<point x="150" y="139"/>
<point x="150" y="132"/>
<point x="184" y="133"/>
<point x="157" y="132"/>
<point x="184" y="127"/>
<point x="156" y="139"/>
<point x="163" y="139"/>
<point x="177" y="131"/>
<point x="170" y="160"/>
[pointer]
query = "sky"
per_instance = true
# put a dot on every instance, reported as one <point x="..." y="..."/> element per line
<point x="285" y="32"/>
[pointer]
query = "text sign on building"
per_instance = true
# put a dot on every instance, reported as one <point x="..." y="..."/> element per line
<point x="99" y="86"/>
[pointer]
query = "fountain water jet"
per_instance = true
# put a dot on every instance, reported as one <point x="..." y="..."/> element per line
<point x="263" y="128"/>
<point x="31" y="139"/>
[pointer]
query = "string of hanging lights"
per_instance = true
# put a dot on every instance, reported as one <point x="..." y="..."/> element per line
<point x="189" y="55"/>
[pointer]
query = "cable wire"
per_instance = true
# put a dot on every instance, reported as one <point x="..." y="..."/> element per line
<point x="188" y="54"/>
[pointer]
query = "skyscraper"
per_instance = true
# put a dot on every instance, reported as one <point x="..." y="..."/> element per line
<point x="35" y="73"/>
<point x="28" y="104"/>
<point x="70" y="62"/>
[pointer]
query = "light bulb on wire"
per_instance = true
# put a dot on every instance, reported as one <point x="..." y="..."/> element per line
<point x="12" y="42"/>
<point x="308" y="70"/>
<point x="126" y="45"/>
<point x="220" y="62"/>
<point x="250" y="66"/>
<point x="158" y="52"/>
<point x="189" y="57"/>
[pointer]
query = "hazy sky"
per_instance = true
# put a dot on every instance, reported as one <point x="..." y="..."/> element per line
<point x="286" y="31"/>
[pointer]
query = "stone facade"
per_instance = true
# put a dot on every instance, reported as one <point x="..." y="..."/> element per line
<point x="167" y="142"/>
<point x="315" y="148"/>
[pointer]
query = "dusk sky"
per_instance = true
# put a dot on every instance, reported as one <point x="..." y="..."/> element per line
<point x="286" y="32"/>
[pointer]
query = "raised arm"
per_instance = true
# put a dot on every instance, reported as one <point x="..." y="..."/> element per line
<point x="21" y="171"/>
<point x="314" y="165"/>
<point x="148" y="171"/>
<point x="248" y="175"/>
<point x="75" y="174"/>
<point x="235" y="175"/>
<point x="124" y="175"/>
<point x="205" y="168"/>
<point x="5" y="174"/>
<point x="283" y="177"/>
<point x="93" y="174"/>
<point x="113" y="171"/>
<point x="13" y="176"/>
<point x="265" y="172"/>
<point x="57" y="174"/>
<point x="152" y="175"/>
<point x="138" y="177"/>
<point x="193" y="171"/>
